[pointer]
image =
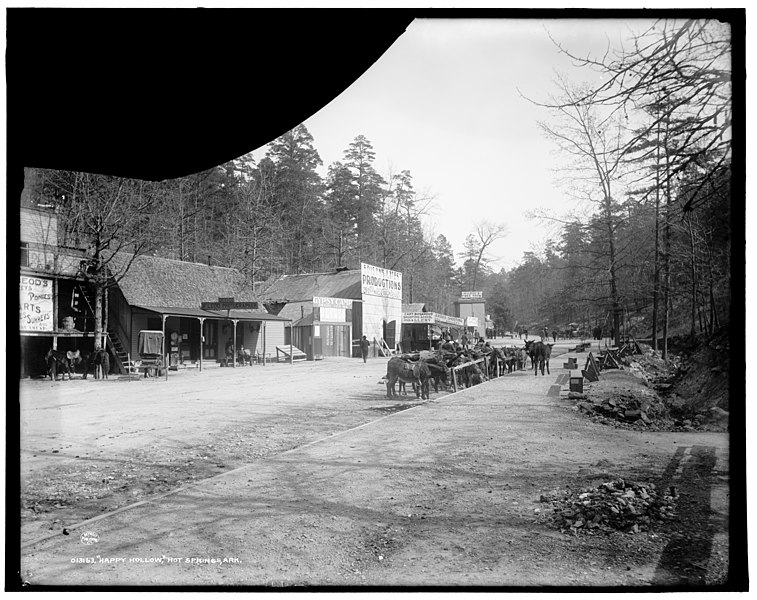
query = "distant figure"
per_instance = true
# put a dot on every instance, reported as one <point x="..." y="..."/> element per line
<point x="365" y="345"/>
<point x="544" y="334"/>
<point x="464" y="341"/>
<point x="554" y="335"/>
<point x="229" y="359"/>
<point x="525" y="334"/>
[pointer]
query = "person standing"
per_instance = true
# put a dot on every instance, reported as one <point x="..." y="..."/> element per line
<point x="364" y="347"/>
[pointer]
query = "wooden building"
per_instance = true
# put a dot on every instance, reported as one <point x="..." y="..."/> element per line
<point x="471" y="307"/>
<point x="56" y="305"/>
<point x="168" y="295"/>
<point x="423" y="330"/>
<point x="330" y="312"/>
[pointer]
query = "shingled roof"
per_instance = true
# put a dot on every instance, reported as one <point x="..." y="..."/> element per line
<point x="164" y="282"/>
<point x="302" y="288"/>
<point x="414" y="307"/>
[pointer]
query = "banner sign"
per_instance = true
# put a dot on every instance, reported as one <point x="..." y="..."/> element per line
<point x="471" y="321"/>
<point x="228" y="304"/>
<point x="451" y="321"/>
<point x="35" y="304"/>
<point x="418" y="317"/>
<point x="432" y="318"/>
<point x="472" y="295"/>
<point x="376" y="281"/>
<point x="332" y="302"/>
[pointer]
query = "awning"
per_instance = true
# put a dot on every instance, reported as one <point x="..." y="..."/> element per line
<point x="238" y="315"/>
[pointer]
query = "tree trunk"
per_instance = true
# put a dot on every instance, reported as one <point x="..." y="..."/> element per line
<point x="693" y="331"/>
<point x="666" y="257"/>
<point x="656" y="289"/>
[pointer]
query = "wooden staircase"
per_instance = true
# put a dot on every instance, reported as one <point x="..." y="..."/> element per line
<point x="115" y="345"/>
<point x="384" y="348"/>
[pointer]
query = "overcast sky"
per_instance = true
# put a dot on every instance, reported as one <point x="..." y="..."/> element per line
<point x="443" y="102"/>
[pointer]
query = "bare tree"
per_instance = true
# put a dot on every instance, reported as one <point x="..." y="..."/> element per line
<point x="106" y="216"/>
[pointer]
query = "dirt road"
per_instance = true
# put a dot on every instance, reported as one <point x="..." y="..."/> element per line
<point x="308" y="475"/>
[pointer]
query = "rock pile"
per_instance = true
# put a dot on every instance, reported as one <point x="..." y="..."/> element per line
<point x="641" y="407"/>
<point x="616" y="505"/>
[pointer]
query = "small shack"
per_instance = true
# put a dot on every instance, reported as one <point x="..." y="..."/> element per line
<point x="422" y="330"/>
<point x="471" y="307"/>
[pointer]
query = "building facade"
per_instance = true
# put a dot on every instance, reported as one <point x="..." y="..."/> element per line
<point x="331" y="312"/>
<point x="471" y="307"/>
<point x="56" y="306"/>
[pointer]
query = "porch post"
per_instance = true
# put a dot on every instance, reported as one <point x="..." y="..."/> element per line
<point x="202" y="337"/>
<point x="264" y="343"/>
<point x="291" y="333"/>
<point x="163" y="343"/>
<point x="234" y="357"/>
<point x="55" y="313"/>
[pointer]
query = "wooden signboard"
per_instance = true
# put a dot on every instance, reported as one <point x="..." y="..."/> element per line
<point x="228" y="304"/>
<point x="591" y="370"/>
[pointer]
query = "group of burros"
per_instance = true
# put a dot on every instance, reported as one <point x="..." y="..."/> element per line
<point x="67" y="362"/>
<point x="421" y="368"/>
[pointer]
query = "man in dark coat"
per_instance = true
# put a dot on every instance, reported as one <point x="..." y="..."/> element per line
<point x="364" y="347"/>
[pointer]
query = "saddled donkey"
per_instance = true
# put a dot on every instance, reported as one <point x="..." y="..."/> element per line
<point x="439" y="372"/>
<point x="63" y="361"/>
<point x="492" y="363"/>
<point x="540" y="356"/>
<point x="99" y="358"/>
<point x="417" y="374"/>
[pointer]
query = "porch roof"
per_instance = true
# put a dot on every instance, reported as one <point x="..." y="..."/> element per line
<point x="239" y="315"/>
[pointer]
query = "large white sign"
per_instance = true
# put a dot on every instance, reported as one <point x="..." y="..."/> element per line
<point x="332" y="302"/>
<point x="376" y="281"/>
<point x="471" y="321"/>
<point x="472" y="295"/>
<point x="35" y="304"/>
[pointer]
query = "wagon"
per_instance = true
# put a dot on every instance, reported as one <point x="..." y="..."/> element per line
<point x="150" y="348"/>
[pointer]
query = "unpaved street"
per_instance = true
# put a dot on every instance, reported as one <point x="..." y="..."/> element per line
<point x="308" y="475"/>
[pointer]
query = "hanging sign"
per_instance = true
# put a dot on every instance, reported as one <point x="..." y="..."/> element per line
<point x="228" y="304"/>
<point x="332" y="302"/>
<point x="472" y="295"/>
<point x="418" y="317"/>
<point x="431" y="318"/>
<point x="35" y="304"/>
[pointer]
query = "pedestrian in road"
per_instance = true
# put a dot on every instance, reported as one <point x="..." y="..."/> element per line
<point x="364" y="347"/>
<point x="464" y="341"/>
<point x="554" y="335"/>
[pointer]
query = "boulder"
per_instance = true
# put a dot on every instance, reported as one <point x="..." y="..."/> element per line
<point x="718" y="414"/>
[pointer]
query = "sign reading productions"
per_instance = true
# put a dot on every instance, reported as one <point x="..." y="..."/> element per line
<point x="35" y="304"/>
<point x="380" y="282"/>
<point x="472" y="295"/>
